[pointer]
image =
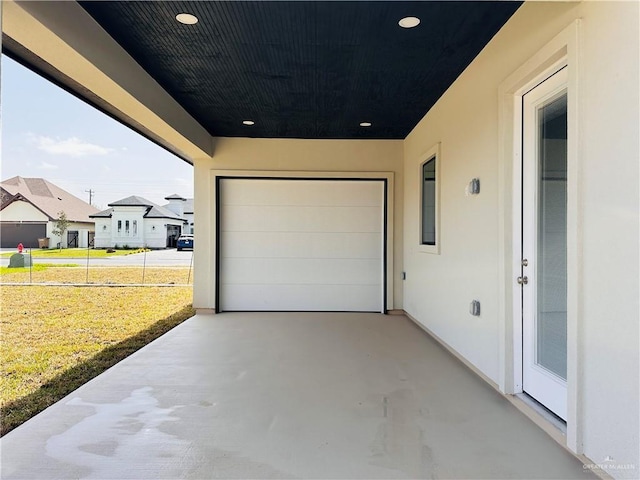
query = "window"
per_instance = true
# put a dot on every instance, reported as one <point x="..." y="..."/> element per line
<point x="119" y="226"/>
<point x="135" y="228"/>
<point x="429" y="202"/>
<point x="126" y="227"/>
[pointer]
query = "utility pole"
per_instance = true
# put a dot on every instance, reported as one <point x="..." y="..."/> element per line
<point x="90" y="192"/>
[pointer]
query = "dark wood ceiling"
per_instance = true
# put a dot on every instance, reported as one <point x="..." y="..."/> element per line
<point x="304" y="69"/>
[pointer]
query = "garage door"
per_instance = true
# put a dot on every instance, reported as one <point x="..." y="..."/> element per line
<point x="11" y="234"/>
<point x="301" y="245"/>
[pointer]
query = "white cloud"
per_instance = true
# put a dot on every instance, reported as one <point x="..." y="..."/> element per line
<point x="47" y="166"/>
<point x="74" y="147"/>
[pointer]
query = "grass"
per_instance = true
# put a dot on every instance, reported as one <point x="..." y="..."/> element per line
<point x="75" y="253"/>
<point x="55" y="339"/>
<point x="40" y="267"/>
<point x="97" y="275"/>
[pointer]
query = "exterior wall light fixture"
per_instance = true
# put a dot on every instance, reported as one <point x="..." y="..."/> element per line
<point x="474" y="187"/>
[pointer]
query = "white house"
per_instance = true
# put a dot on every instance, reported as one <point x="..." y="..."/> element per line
<point x="137" y="222"/>
<point x="30" y="208"/>
<point x="477" y="173"/>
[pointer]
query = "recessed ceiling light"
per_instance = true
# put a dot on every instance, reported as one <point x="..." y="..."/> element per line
<point x="248" y="122"/>
<point x="365" y="124"/>
<point x="187" y="18"/>
<point x="409" y="22"/>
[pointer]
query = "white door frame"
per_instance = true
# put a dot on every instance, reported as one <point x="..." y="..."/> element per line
<point x="561" y="51"/>
<point x="386" y="177"/>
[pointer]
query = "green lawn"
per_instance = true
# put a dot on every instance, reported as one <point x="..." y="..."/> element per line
<point x="74" y="253"/>
<point x="38" y="267"/>
<point x="54" y="339"/>
<point x="73" y="274"/>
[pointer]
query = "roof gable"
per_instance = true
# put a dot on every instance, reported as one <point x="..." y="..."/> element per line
<point x="47" y="197"/>
<point x="152" y="210"/>
<point x="132" y="201"/>
<point x="174" y="196"/>
<point x="20" y="209"/>
<point x="103" y="214"/>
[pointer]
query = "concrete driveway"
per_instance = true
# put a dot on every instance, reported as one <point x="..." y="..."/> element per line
<point x="154" y="258"/>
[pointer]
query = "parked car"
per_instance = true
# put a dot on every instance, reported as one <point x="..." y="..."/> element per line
<point x="185" y="241"/>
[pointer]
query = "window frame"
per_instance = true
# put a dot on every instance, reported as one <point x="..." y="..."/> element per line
<point x="433" y="154"/>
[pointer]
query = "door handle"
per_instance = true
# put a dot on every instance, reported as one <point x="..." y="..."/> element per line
<point x="523" y="280"/>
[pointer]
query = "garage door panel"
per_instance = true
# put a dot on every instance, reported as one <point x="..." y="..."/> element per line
<point x="243" y="218"/>
<point x="356" y="298"/>
<point x="302" y="193"/>
<point x="302" y="245"/>
<point x="11" y="234"/>
<point x="308" y="271"/>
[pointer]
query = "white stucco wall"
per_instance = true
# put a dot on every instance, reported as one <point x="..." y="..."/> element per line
<point x="155" y="231"/>
<point x="288" y="155"/>
<point x="20" y="211"/>
<point x="82" y="228"/>
<point x="439" y="288"/>
<point x="103" y="233"/>
<point x="131" y="237"/>
<point x="151" y="233"/>
<point x="190" y="227"/>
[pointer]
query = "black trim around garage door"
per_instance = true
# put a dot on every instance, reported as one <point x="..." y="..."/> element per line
<point x="13" y="233"/>
<point x="385" y="252"/>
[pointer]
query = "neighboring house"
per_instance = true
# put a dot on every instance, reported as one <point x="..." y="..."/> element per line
<point x="137" y="222"/>
<point x="183" y="207"/>
<point x="30" y="207"/>
<point x="344" y="163"/>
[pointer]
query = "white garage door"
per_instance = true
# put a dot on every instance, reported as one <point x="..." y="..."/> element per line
<point x="301" y="245"/>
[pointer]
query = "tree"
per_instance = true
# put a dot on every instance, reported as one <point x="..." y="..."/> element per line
<point x="60" y="226"/>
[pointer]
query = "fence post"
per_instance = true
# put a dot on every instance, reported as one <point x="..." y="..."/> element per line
<point x="144" y="263"/>
<point x="86" y="280"/>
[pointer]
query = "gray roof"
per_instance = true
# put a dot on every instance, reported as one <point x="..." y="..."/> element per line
<point x="187" y="206"/>
<point x="132" y="201"/>
<point x="103" y="214"/>
<point x="160" y="212"/>
<point x="153" y="210"/>
<point x="48" y="198"/>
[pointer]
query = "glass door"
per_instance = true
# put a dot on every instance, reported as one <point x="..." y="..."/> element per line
<point x="544" y="243"/>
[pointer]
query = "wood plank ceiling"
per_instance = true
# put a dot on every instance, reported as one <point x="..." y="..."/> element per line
<point x="304" y="69"/>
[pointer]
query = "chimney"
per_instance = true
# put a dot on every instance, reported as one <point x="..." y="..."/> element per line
<point x="176" y="204"/>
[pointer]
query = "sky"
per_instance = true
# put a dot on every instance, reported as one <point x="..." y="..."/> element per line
<point x="48" y="133"/>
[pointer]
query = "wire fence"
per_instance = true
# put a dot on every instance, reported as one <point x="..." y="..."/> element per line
<point x="81" y="272"/>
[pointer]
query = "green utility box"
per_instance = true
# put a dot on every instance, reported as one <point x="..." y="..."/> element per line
<point x="20" y="260"/>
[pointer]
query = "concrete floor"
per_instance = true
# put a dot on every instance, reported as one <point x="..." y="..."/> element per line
<point x="275" y="395"/>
